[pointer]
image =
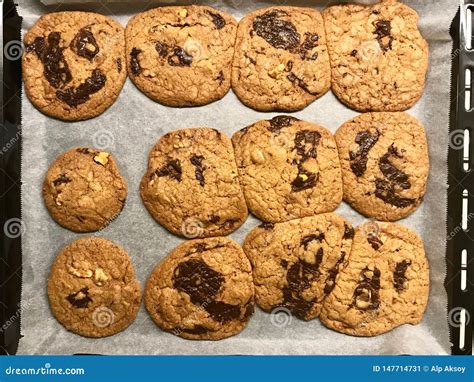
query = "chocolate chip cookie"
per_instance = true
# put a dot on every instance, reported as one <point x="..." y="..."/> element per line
<point x="92" y="288"/>
<point x="181" y="55"/>
<point x="384" y="285"/>
<point x="385" y="164"/>
<point x="74" y="64"/>
<point x="281" y="60"/>
<point x="203" y="290"/>
<point x="83" y="190"/>
<point x="191" y="186"/>
<point x="378" y="57"/>
<point x="295" y="264"/>
<point x="288" y="169"/>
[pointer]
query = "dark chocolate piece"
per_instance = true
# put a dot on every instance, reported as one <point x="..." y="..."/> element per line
<point x="196" y="161"/>
<point x="77" y="96"/>
<point x="279" y="33"/>
<point x="135" y="62"/>
<point x="80" y="302"/>
<point x="84" y="44"/>
<point x="358" y="160"/>
<point x="171" y="169"/>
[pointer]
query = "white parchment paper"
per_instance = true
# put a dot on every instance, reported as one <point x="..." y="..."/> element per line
<point x="131" y="127"/>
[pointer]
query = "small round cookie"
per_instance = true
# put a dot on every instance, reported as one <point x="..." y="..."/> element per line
<point x="74" y="64"/>
<point x="295" y="264"/>
<point x="378" y="57"/>
<point x="181" y="55"/>
<point x="281" y="60"/>
<point x="83" y="190"/>
<point x="191" y="186"/>
<point x="92" y="288"/>
<point x="385" y="164"/>
<point x="202" y="291"/>
<point x="288" y="169"/>
<point x="384" y="285"/>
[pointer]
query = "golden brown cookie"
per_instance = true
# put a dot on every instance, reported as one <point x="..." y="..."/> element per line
<point x="74" y="64"/>
<point x="384" y="285"/>
<point x="203" y="290"/>
<point x="281" y="60"/>
<point x="83" y="190"/>
<point x="181" y="55"/>
<point x="378" y="57"/>
<point x="191" y="186"/>
<point x="92" y="288"/>
<point x="288" y="169"/>
<point x="295" y="263"/>
<point x="385" y="164"/>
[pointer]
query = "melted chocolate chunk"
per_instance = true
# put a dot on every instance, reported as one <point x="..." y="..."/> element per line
<point x="62" y="179"/>
<point x="306" y="143"/>
<point x="196" y="161"/>
<point x="202" y="284"/>
<point x="135" y="62"/>
<point x="267" y="226"/>
<point x="83" y="150"/>
<point x="392" y="173"/>
<point x="358" y="160"/>
<point x="249" y="310"/>
<point x="383" y="31"/>
<point x="399" y="277"/>
<point x="220" y="77"/>
<point x="366" y="294"/>
<point x="84" y="44"/>
<point x="80" y="299"/>
<point x="222" y="312"/>
<point x="304" y="180"/>
<point x="279" y="122"/>
<point x="354" y="53"/>
<point x="386" y="189"/>
<point x="171" y="169"/>
<point x="280" y="34"/>
<point x="310" y="42"/>
<point x="197" y="329"/>
<point x="180" y="57"/>
<point x="217" y="20"/>
<point x="300" y="82"/>
<point x="332" y="274"/>
<point x="198" y="280"/>
<point x="49" y="52"/>
<point x="374" y="241"/>
<point x="214" y="219"/>
<point x="284" y="263"/>
<point x="77" y="96"/>
<point x="162" y="49"/>
<point x="348" y="232"/>
<point x="299" y="277"/>
<point x="305" y="240"/>
<point x="119" y="64"/>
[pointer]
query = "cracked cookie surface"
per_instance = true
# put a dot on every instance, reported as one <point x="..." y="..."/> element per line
<point x="181" y="55"/>
<point x="384" y="285"/>
<point x="92" y="288"/>
<point x="288" y="168"/>
<point x="191" y="186"/>
<point x="203" y="290"/>
<point x="385" y="164"/>
<point x="281" y="60"/>
<point x="378" y="57"/>
<point x="295" y="264"/>
<point x="83" y="190"/>
<point x="74" y="64"/>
